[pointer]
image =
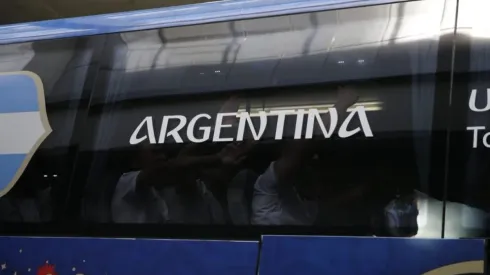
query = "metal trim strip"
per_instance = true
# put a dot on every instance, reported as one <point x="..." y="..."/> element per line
<point x="210" y="12"/>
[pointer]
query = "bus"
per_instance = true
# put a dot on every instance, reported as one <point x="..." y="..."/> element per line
<point x="243" y="136"/>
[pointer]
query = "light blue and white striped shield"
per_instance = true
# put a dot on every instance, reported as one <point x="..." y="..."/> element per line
<point x="23" y="124"/>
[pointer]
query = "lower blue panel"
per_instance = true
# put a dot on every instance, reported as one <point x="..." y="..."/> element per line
<point x="126" y="257"/>
<point x="282" y="255"/>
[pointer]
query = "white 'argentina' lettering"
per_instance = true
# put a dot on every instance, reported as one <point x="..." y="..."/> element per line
<point x="331" y="118"/>
<point x="366" y="128"/>
<point x="245" y="117"/>
<point x="315" y="114"/>
<point x="298" y="130"/>
<point x="206" y="130"/>
<point x="219" y="124"/>
<point x="175" y="131"/>
<point x="281" y="117"/>
<point x="148" y="122"/>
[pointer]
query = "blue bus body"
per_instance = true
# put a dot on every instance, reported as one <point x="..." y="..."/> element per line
<point x="247" y="137"/>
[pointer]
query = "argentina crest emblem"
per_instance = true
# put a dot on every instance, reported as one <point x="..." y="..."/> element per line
<point x="462" y="268"/>
<point x="23" y="124"/>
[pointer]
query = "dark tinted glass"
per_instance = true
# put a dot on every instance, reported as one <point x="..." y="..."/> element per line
<point x="468" y="179"/>
<point x="338" y="122"/>
<point x="63" y="66"/>
<point x="327" y="120"/>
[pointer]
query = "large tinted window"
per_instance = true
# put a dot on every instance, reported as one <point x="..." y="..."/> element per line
<point x="323" y="120"/>
<point x="468" y="162"/>
<point x="63" y="66"/>
<point x="338" y="122"/>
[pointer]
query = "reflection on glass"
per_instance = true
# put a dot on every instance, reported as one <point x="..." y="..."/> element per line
<point x="467" y="206"/>
<point x="62" y="67"/>
<point x="321" y="120"/>
<point x="327" y="125"/>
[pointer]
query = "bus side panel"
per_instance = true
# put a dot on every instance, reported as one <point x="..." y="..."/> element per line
<point x="126" y="256"/>
<point x="308" y="255"/>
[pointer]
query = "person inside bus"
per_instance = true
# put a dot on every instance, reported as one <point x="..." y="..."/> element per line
<point x="297" y="189"/>
<point x="178" y="189"/>
<point x="461" y="220"/>
<point x="239" y="194"/>
<point x="287" y="192"/>
<point x="230" y="179"/>
<point x="170" y="190"/>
